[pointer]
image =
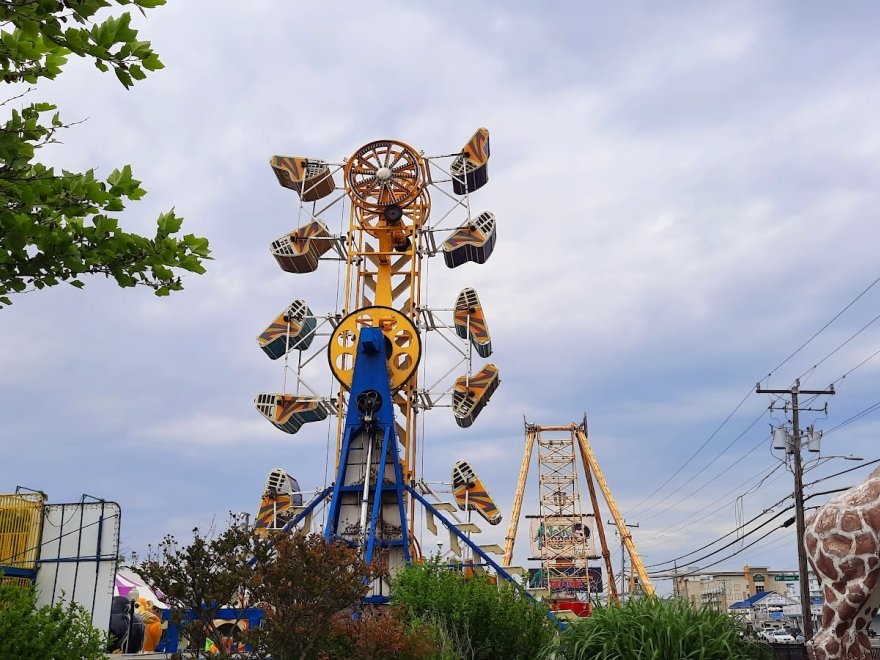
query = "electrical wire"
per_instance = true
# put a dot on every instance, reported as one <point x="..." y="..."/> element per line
<point x="788" y="523"/>
<point x="633" y="511"/>
<point x="824" y="327"/>
<point x="675" y="530"/>
<point x="854" y="418"/>
<point x="694" y="455"/>
<point x="811" y="495"/>
<point x="717" y="456"/>
<point x="860" y="331"/>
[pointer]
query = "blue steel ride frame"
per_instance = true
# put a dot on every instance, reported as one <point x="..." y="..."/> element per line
<point x="370" y="373"/>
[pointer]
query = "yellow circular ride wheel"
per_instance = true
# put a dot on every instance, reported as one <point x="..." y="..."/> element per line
<point x="403" y="346"/>
<point x="384" y="173"/>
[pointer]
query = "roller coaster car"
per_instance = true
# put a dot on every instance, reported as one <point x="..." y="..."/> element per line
<point x="292" y="329"/>
<point x="469" y="397"/>
<point x="470" y="493"/>
<point x="471" y="322"/>
<point x="289" y="412"/>
<point x="310" y="177"/>
<point x="280" y="495"/>
<point x="473" y="242"/>
<point x="470" y="169"/>
<point x="299" y="251"/>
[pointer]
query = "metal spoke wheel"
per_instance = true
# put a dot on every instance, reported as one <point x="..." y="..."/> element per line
<point x="383" y="173"/>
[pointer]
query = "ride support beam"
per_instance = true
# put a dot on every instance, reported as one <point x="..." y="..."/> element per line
<point x="606" y="553"/>
<point x="510" y="539"/>
<point x="625" y="534"/>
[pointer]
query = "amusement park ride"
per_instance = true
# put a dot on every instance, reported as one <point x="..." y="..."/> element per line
<point x="375" y="346"/>
<point x="562" y="536"/>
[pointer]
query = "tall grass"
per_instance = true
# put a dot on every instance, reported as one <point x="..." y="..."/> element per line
<point x="656" y="629"/>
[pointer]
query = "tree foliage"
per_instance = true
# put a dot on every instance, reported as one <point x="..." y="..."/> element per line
<point x="60" y="632"/>
<point x="312" y="592"/>
<point x="55" y="226"/>
<point x="203" y="576"/>
<point x="656" y="629"/>
<point x="481" y="619"/>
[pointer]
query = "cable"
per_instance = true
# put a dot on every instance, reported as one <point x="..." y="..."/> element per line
<point x="852" y="419"/>
<point x="837" y="474"/>
<point x="865" y="327"/>
<point x="721" y="538"/>
<point x="870" y="357"/>
<point x="824" y="327"/>
<point x="733" y="554"/>
<point x="634" y="509"/>
<point x="787" y="523"/>
<point x="717" y="456"/>
<point x="694" y="455"/>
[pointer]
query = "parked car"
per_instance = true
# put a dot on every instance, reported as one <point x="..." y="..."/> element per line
<point x="778" y="636"/>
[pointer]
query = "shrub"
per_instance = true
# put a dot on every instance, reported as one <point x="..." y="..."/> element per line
<point x="481" y="620"/>
<point x="60" y="631"/>
<point x="656" y="629"/>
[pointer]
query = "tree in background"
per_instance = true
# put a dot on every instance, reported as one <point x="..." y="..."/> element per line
<point x="57" y="227"/>
<point x="310" y="591"/>
<point x="60" y="632"/>
<point x="472" y="617"/>
<point x="202" y="577"/>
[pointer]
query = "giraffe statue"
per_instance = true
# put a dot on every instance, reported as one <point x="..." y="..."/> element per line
<point x="843" y="545"/>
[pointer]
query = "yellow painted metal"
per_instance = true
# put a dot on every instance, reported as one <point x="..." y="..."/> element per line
<point x="21" y="526"/>
<point x="402" y="340"/>
<point x="510" y="539"/>
<point x="600" y="528"/>
<point x="625" y="534"/>
<point x="383" y="265"/>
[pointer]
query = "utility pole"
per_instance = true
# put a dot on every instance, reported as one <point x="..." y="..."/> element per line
<point x="795" y="449"/>
<point x="623" y="558"/>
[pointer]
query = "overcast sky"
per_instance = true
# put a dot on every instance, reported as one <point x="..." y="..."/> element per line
<point x="685" y="192"/>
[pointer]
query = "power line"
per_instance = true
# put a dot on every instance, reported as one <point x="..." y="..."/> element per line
<point x="694" y="492"/>
<point x="811" y="495"/>
<point x="860" y="331"/>
<point x="854" y="418"/>
<point x="694" y="455"/>
<point x="824" y="327"/>
<point x="749" y="393"/>
<point x="787" y="523"/>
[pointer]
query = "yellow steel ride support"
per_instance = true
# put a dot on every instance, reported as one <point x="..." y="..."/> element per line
<point x="386" y="182"/>
<point x="510" y="539"/>
<point x="625" y="535"/>
<point x="591" y="467"/>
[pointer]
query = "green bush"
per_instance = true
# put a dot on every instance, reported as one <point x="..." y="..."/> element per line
<point x="470" y="617"/>
<point x="656" y="629"/>
<point x="57" y="632"/>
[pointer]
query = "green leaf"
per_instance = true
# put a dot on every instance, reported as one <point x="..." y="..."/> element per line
<point x="169" y="223"/>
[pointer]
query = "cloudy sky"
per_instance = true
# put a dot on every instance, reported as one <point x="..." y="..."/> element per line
<point x="686" y="193"/>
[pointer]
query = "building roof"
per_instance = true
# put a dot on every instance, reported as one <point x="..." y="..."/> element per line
<point x="751" y="600"/>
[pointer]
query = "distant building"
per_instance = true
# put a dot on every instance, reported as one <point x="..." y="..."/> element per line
<point x="721" y="589"/>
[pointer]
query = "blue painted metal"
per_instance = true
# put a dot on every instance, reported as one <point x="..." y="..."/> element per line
<point x="293" y="522"/>
<point x="371" y="373"/>
<point x="477" y="550"/>
<point x="171" y="636"/>
<point x="12" y="571"/>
